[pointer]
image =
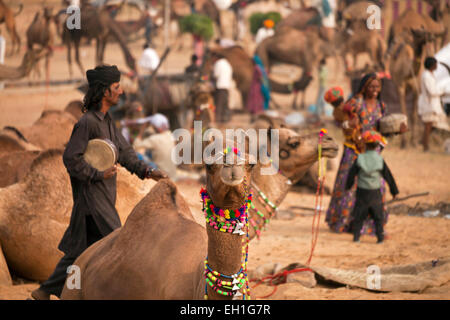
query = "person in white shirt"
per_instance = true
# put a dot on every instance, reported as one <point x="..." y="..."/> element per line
<point x="160" y="143"/>
<point x="429" y="104"/>
<point x="223" y="76"/>
<point x="149" y="60"/>
<point x="265" y="31"/>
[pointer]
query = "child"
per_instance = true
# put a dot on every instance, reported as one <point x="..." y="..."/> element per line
<point x="370" y="168"/>
<point x="343" y="115"/>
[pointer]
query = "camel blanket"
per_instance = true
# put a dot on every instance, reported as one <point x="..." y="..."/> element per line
<point x="403" y="278"/>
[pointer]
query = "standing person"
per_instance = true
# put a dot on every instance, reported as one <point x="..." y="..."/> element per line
<point x="193" y="68"/>
<point x="370" y="167"/>
<point x="223" y="76"/>
<point x="323" y="75"/>
<point x="365" y="110"/>
<point x="429" y="104"/>
<point x="94" y="215"/>
<point x="149" y="60"/>
<point x="265" y="31"/>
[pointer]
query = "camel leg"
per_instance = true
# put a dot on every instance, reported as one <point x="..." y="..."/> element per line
<point x="414" y="118"/>
<point x="69" y="58"/>
<point x="294" y="102"/>
<point x="77" y="56"/>
<point x="401" y="96"/>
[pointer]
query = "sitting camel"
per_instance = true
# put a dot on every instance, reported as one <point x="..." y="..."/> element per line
<point x="35" y="212"/>
<point x="160" y="251"/>
<point x="298" y="154"/>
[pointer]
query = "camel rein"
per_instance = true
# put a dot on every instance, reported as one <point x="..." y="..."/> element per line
<point x="281" y="277"/>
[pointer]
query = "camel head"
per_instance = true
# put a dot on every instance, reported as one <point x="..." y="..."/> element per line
<point x="228" y="178"/>
<point x="202" y="102"/>
<point x="298" y="152"/>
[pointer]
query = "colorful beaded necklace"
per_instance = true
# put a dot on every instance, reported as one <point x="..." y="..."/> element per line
<point x="228" y="221"/>
<point x="270" y="207"/>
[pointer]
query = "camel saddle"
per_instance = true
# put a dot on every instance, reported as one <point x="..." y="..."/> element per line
<point x="101" y="154"/>
<point x="394" y="123"/>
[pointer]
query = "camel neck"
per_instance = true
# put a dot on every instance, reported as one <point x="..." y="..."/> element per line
<point x="227" y="253"/>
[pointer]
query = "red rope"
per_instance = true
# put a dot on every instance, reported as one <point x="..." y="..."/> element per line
<point x="282" y="276"/>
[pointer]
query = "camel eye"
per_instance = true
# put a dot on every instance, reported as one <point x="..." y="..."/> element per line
<point x="294" y="145"/>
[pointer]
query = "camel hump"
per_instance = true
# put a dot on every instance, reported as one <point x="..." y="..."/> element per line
<point x="44" y="157"/>
<point x="164" y="196"/>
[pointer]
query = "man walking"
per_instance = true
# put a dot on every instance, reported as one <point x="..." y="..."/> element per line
<point x="94" y="215"/>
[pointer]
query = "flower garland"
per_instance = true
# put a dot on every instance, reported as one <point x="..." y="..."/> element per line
<point x="228" y="221"/>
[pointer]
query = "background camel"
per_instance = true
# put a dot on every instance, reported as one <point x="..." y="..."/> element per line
<point x="243" y="68"/>
<point x="406" y="55"/>
<point x="30" y="58"/>
<point x="7" y="16"/>
<point x="12" y="140"/>
<point x="42" y="33"/>
<point x="14" y="166"/>
<point x="160" y="251"/>
<point x="355" y="38"/>
<point x="35" y="212"/>
<point x="305" y="52"/>
<point x="95" y="24"/>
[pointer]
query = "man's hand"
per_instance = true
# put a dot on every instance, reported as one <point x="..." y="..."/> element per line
<point x="155" y="174"/>
<point x="109" y="173"/>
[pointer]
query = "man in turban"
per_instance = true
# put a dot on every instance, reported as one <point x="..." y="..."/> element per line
<point x="265" y="31"/>
<point x="94" y="215"/>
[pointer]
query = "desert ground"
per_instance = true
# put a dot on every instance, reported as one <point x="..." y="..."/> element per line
<point x="287" y="239"/>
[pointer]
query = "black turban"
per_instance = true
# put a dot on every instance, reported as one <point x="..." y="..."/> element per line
<point x="105" y="75"/>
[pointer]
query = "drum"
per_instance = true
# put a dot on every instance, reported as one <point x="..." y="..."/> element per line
<point x="101" y="154"/>
<point x="395" y="123"/>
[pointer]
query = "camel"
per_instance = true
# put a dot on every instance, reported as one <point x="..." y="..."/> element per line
<point x="5" y="277"/>
<point x="306" y="19"/>
<point x="406" y="56"/>
<point x="35" y="211"/>
<point x="30" y="58"/>
<point x="75" y="108"/>
<point x="131" y="27"/>
<point x="243" y="68"/>
<point x="412" y="20"/>
<point x="41" y="33"/>
<point x="356" y="39"/>
<point x="300" y="154"/>
<point x="160" y="251"/>
<point x="12" y="140"/>
<point x="97" y="24"/>
<point x="305" y="52"/>
<point x="14" y="166"/>
<point x="8" y="17"/>
<point x="51" y="130"/>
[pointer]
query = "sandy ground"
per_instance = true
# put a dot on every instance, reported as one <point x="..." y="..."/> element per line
<point x="410" y="240"/>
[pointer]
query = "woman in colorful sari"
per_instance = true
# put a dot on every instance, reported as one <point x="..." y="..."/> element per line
<point x="364" y="110"/>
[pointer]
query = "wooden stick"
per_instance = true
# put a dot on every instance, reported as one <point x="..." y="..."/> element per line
<point x="389" y="202"/>
<point x="407" y="197"/>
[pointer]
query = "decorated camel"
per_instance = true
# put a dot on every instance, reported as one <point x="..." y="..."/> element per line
<point x="305" y="52"/>
<point x="7" y="16"/>
<point x="298" y="153"/>
<point x="35" y="212"/>
<point x="30" y="58"/>
<point x="162" y="253"/>
<point x="99" y="25"/>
